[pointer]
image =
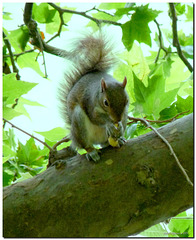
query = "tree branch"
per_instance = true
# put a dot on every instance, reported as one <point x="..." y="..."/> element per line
<point x="35" y="35"/>
<point x="36" y="39"/>
<point x="8" y="45"/>
<point x="175" y="37"/>
<point x="14" y="126"/>
<point x="19" y="54"/>
<point x="83" y="14"/>
<point x="60" y="27"/>
<point x="161" y="45"/>
<point x="129" y="190"/>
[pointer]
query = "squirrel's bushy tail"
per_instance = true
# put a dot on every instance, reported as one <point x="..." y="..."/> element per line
<point x="95" y="53"/>
<point x="92" y="53"/>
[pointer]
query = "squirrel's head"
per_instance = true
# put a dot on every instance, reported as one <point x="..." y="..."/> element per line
<point x="114" y="99"/>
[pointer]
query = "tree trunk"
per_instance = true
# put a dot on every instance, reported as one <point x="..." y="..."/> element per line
<point x="129" y="190"/>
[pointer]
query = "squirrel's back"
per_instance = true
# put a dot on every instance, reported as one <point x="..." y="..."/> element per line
<point x="91" y="54"/>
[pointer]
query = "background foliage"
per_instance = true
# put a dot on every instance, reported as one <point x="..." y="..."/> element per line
<point x="160" y="85"/>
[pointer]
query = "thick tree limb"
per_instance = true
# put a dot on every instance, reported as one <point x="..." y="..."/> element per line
<point x="129" y="190"/>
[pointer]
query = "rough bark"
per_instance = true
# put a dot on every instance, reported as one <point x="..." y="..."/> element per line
<point x="129" y="190"/>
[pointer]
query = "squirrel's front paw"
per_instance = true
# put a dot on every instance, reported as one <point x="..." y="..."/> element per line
<point x="93" y="155"/>
<point x="115" y="130"/>
<point x="116" y="142"/>
<point x="121" y="141"/>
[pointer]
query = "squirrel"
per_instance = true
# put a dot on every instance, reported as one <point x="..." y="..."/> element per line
<point x="93" y="103"/>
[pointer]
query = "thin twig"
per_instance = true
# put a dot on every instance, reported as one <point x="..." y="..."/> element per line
<point x="176" y="42"/>
<point x="164" y="121"/>
<point x="97" y="21"/>
<point x="161" y="46"/>
<point x="99" y="10"/>
<point x="14" y="126"/>
<point x="167" y="143"/>
<point x="8" y="45"/>
<point x="46" y="75"/>
<point x="60" y="27"/>
<point x="65" y="139"/>
<point x="19" y="54"/>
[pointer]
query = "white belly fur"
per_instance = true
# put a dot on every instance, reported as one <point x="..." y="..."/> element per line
<point x="96" y="134"/>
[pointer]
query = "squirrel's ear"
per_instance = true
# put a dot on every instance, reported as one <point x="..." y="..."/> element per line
<point x="124" y="82"/>
<point x="103" y="85"/>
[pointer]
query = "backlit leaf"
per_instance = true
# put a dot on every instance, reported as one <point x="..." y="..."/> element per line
<point x="137" y="28"/>
<point x="54" y="134"/>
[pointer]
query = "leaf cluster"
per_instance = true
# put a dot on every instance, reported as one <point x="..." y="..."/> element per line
<point x="179" y="226"/>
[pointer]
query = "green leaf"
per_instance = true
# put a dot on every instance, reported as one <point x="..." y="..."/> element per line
<point x="23" y="177"/>
<point x="42" y="14"/>
<point x="30" y="103"/>
<point x="120" y="72"/>
<point x="122" y="11"/>
<point x="105" y="16"/>
<point x="168" y="112"/>
<point x="188" y="89"/>
<point x="185" y="40"/>
<point x="182" y="225"/>
<point x="109" y="6"/>
<point x="153" y="99"/>
<point x="180" y="8"/>
<point x="5" y="136"/>
<point x="5" y="159"/>
<point x="67" y="17"/>
<point x="7" y="151"/>
<point x="29" y="60"/>
<point x="19" y="38"/>
<point x="137" y="62"/>
<point x="131" y="131"/>
<point x="183" y="105"/>
<point x="9" y="138"/>
<point x="20" y="106"/>
<point x="54" y="134"/>
<point x="155" y="231"/>
<point x="53" y="27"/>
<point x="7" y="178"/>
<point x="6" y="16"/>
<point x="10" y="113"/>
<point x="13" y="89"/>
<point x="178" y="75"/>
<point x="141" y="130"/>
<point x="92" y="25"/>
<point x="137" y="28"/>
<point x="29" y="154"/>
<point x="189" y="15"/>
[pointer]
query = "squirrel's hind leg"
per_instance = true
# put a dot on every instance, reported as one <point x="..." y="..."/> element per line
<point x="80" y="135"/>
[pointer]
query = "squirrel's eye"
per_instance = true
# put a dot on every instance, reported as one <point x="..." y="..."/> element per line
<point x="105" y="101"/>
